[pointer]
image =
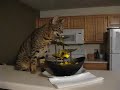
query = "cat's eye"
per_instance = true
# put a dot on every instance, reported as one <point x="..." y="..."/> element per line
<point x="37" y="51"/>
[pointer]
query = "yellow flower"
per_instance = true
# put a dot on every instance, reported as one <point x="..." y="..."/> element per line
<point x="66" y="55"/>
<point x="66" y="63"/>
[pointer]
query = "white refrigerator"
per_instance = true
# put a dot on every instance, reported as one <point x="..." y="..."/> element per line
<point x="114" y="49"/>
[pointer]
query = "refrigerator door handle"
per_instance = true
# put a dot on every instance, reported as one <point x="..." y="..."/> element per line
<point x="111" y="44"/>
<point x="110" y="65"/>
<point x="110" y="59"/>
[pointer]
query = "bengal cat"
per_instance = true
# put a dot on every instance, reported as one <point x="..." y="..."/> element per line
<point x="36" y="45"/>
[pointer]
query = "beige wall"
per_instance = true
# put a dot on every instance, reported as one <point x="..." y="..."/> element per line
<point x="81" y="11"/>
<point x="17" y="21"/>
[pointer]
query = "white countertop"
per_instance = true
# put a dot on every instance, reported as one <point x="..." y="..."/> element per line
<point x="21" y="80"/>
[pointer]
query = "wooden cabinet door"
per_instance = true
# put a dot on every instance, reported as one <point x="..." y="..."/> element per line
<point x="43" y="21"/>
<point x="95" y="26"/>
<point x="100" y="24"/>
<point x="77" y="22"/>
<point x="114" y="20"/>
<point x="37" y="23"/>
<point x="66" y="21"/>
<point x="89" y="32"/>
<point x="95" y="66"/>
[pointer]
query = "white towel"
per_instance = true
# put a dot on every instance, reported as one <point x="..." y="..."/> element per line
<point x="80" y="79"/>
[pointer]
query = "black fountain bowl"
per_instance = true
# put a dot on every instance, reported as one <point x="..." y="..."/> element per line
<point x="65" y="70"/>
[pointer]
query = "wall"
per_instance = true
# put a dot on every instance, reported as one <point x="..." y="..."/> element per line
<point x="17" y="21"/>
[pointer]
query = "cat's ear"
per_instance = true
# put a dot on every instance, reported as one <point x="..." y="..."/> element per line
<point x="55" y="20"/>
<point x="62" y="20"/>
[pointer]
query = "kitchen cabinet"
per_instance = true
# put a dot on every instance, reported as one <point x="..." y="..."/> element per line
<point x="77" y="22"/>
<point x="89" y="31"/>
<point x="43" y="21"/>
<point x="114" y="20"/>
<point x="37" y="23"/>
<point x="73" y="22"/>
<point x="100" y="27"/>
<point x="66" y="21"/>
<point x="94" y="65"/>
<point x="95" y="26"/>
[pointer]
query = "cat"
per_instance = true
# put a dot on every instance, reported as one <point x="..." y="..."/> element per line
<point x="36" y="45"/>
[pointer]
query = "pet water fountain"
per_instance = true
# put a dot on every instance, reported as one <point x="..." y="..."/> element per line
<point x="64" y="64"/>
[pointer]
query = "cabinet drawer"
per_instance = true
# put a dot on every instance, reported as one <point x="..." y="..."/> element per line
<point x="95" y="66"/>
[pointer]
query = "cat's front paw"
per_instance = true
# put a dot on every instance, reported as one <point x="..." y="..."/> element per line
<point x="33" y="72"/>
<point x="33" y="69"/>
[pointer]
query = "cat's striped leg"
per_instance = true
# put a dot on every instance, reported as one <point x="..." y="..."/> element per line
<point x="23" y="64"/>
<point x="33" y="65"/>
<point x="41" y="62"/>
<point x="34" y="61"/>
<point x="37" y="54"/>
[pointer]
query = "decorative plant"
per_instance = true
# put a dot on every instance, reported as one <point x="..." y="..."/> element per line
<point x="64" y="54"/>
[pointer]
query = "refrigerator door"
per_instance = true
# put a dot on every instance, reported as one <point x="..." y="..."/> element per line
<point x="115" y="62"/>
<point x="115" y="41"/>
